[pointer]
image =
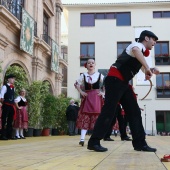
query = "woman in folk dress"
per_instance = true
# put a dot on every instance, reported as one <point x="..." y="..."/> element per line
<point x="21" y="121"/>
<point x="92" y="100"/>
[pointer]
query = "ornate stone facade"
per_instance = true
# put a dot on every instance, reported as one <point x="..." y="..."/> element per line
<point x="38" y="65"/>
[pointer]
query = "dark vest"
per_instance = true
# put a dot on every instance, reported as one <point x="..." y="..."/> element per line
<point x="128" y="66"/>
<point x="22" y="103"/>
<point x="9" y="95"/>
<point x="95" y="85"/>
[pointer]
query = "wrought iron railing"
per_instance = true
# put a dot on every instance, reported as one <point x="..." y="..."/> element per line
<point x="47" y="39"/>
<point x="13" y="7"/>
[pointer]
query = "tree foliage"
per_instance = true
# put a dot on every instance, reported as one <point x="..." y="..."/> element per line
<point x="21" y="80"/>
<point x="50" y="109"/>
<point x="62" y="103"/>
<point x="37" y="92"/>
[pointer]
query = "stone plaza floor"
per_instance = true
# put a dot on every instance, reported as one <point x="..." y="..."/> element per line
<point x="64" y="153"/>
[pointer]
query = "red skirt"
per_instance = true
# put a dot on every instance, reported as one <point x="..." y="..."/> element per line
<point x="89" y="110"/>
<point x="21" y="118"/>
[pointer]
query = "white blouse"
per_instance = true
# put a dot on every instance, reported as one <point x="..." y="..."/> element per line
<point x="18" y="99"/>
<point x="90" y="78"/>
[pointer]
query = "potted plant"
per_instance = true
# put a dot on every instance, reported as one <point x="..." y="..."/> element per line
<point x="48" y="113"/>
<point x="62" y="103"/>
<point x="37" y="92"/>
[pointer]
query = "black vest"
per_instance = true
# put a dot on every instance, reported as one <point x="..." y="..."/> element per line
<point x="9" y="95"/>
<point x="95" y="85"/>
<point x="127" y="65"/>
<point x="22" y="103"/>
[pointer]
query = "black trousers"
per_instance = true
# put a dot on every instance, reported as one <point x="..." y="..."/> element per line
<point x="7" y="121"/>
<point x="71" y="127"/>
<point x="119" y="91"/>
<point x="122" y="120"/>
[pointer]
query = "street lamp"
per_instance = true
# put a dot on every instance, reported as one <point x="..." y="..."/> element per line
<point x="145" y="117"/>
<point x="152" y="128"/>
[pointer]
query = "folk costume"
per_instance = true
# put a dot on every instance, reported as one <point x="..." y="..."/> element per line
<point x="8" y="110"/>
<point x="118" y="90"/>
<point x="21" y="121"/>
<point x="90" y="105"/>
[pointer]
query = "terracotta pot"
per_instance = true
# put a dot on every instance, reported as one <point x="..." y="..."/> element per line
<point x="45" y="132"/>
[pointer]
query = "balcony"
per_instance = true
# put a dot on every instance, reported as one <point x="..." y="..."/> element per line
<point x="16" y="10"/>
<point x="13" y="8"/>
<point x="47" y="39"/>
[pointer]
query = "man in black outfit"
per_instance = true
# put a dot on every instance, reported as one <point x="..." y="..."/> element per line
<point x="122" y="120"/>
<point x="71" y="114"/>
<point x="8" y="108"/>
<point x="117" y="90"/>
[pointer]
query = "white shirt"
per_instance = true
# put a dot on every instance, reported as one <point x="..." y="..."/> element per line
<point x="18" y="99"/>
<point x="140" y="46"/>
<point x="135" y="44"/>
<point x="90" y="78"/>
<point x="4" y="90"/>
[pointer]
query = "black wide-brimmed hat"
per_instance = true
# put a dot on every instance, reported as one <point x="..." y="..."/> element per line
<point x="10" y="76"/>
<point x="149" y="34"/>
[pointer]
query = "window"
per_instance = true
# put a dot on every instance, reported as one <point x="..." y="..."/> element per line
<point x="121" y="46"/>
<point x="45" y="24"/>
<point x="163" y="121"/>
<point x="45" y="29"/>
<point x="100" y="16"/>
<point x="162" y="53"/>
<point x="163" y="85"/>
<point x="87" y="20"/>
<point x="123" y="19"/>
<point x="110" y="16"/>
<point x="87" y="50"/>
<point x="104" y="72"/>
<point x="64" y="52"/>
<point x="161" y="14"/>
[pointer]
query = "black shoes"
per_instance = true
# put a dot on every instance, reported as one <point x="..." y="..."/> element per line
<point x="97" y="148"/>
<point x="81" y="143"/>
<point x="17" y="137"/>
<point x="126" y="138"/>
<point x="108" y="139"/>
<point x="13" y="138"/>
<point x="3" y="138"/>
<point x="22" y="137"/>
<point x="146" y="148"/>
<point x="71" y="134"/>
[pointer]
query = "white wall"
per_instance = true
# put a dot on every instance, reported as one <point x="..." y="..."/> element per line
<point x="106" y="34"/>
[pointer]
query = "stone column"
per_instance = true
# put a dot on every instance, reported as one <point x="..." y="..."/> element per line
<point x="3" y="45"/>
<point x="58" y="83"/>
<point x="58" y="23"/>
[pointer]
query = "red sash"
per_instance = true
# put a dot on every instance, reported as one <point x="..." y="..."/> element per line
<point x="15" y="111"/>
